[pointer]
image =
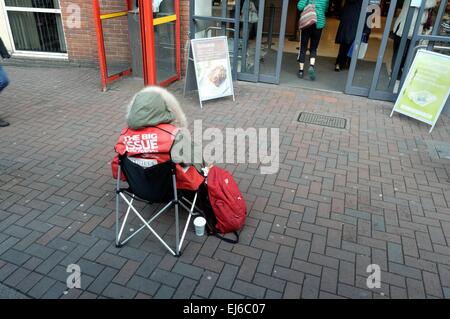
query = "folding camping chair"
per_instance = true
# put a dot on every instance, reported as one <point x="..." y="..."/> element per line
<point x="154" y="184"/>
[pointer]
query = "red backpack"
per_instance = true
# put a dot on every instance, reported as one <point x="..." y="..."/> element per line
<point x="225" y="207"/>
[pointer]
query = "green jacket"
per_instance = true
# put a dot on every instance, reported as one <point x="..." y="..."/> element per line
<point x="321" y="8"/>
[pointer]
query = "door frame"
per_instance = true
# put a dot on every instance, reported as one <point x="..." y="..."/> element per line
<point x="275" y="79"/>
<point x="256" y="76"/>
<point x="388" y="95"/>
<point x="148" y="24"/>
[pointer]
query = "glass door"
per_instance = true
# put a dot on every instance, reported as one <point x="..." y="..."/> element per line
<point x="261" y="42"/>
<point x="272" y="44"/>
<point x="371" y="39"/>
<point x="249" y="42"/>
<point x="160" y="34"/>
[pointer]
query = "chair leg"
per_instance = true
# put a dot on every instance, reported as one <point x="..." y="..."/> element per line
<point x="149" y="227"/>
<point x="117" y="206"/>
<point x="119" y="235"/>
<point x="191" y="213"/>
<point x="177" y="222"/>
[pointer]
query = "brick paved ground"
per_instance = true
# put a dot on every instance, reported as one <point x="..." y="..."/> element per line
<point x="342" y="199"/>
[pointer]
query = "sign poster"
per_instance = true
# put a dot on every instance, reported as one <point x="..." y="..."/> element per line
<point x="212" y="68"/>
<point x="426" y="88"/>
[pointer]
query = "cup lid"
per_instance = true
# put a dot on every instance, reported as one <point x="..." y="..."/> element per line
<point x="199" y="221"/>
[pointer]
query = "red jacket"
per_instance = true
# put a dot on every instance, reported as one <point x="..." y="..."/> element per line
<point x="155" y="143"/>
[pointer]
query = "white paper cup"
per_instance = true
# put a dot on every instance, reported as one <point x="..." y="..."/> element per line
<point x="199" y="224"/>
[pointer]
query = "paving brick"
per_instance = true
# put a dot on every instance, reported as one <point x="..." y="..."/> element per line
<point x="395" y="253"/>
<point x="247" y="269"/>
<point x="323" y="260"/>
<point x="111" y="260"/>
<point x="39" y="251"/>
<point x="146" y="286"/>
<point x="353" y="292"/>
<point x="228" y="257"/>
<point x="41" y="287"/>
<point x="166" y="277"/>
<point x="188" y="270"/>
<point x="126" y="272"/>
<point x="50" y="262"/>
<point x="101" y="281"/>
<point x="8" y="243"/>
<point x="288" y="274"/>
<point x="249" y="289"/>
<point x="219" y="293"/>
<point x="302" y="249"/>
<point x="118" y="292"/>
<point x="247" y="251"/>
<point x="269" y="282"/>
<point x="306" y="267"/>
<point x="208" y="263"/>
<point x="284" y="256"/>
<point x="292" y="291"/>
<point x="415" y="289"/>
<point x="432" y="284"/>
<point x="329" y="280"/>
<point x="56" y="291"/>
<point x="16" y="257"/>
<point x="311" y="287"/>
<point x="266" y="263"/>
<point x="96" y="250"/>
<point x="165" y="292"/>
<point x="147" y="267"/>
<point x="227" y="276"/>
<point x="185" y="289"/>
<point x="206" y="284"/>
<point x="16" y="277"/>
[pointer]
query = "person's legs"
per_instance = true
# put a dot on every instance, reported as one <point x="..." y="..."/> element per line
<point x="342" y="56"/>
<point x="305" y="36"/>
<point x="315" y="39"/>
<point x="3" y="83"/>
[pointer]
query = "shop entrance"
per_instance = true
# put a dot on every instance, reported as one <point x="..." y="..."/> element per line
<point x="138" y="37"/>
<point x="264" y="41"/>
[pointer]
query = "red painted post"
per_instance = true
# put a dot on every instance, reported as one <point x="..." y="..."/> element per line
<point x="100" y="44"/>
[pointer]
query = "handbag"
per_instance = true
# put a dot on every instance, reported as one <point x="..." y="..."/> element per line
<point x="253" y="13"/>
<point x="363" y="46"/>
<point x="308" y="16"/>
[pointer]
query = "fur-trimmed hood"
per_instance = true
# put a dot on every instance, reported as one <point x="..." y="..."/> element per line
<point x="154" y="105"/>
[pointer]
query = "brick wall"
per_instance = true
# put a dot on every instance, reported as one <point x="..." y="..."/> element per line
<point x="82" y="42"/>
<point x="184" y="13"/>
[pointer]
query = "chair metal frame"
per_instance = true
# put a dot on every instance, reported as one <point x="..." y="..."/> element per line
<point x="175" y="202"/>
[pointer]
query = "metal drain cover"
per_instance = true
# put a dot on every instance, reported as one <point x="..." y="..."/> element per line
<point x="322" y="120"/>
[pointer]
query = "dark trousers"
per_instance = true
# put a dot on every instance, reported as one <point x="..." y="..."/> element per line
<point x="399" y="57"/>
<point x="309" y="35"/>
<point x="342" y="57"/>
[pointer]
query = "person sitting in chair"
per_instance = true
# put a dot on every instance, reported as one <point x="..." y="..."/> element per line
<point x="157" y="132"/>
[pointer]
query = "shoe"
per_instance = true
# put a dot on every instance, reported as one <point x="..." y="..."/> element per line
<point x="337" y="68"/>
<point x="3" y="123"/>
<point x="312" y="72"/>
<point x="300" y="74"/>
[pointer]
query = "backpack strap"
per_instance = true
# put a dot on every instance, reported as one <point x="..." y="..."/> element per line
<point x="228" y="240"/>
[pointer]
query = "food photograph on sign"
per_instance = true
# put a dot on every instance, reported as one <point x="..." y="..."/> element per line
<point x="212" y="67"/>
